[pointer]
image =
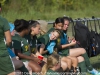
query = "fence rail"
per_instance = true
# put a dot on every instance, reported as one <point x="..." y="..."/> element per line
<point x="79" y="19"/>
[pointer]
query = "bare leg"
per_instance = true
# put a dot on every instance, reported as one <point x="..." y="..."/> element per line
<point x="80" y="59"/>
<point x="76" y="52"/>
<point x="63" y="65"/>
<point x="17" y="63"/>
<point x="74" y="62"/>
<point x="68" y="61"/>
<point x="81" y="52"/>
<point x="34" y="66"/>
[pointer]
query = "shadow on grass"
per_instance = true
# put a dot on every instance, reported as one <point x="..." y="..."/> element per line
<point x="95" y="61"/>
<point x="96" y="65"/>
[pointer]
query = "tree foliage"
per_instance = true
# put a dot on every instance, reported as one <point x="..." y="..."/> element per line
<point x="47" y="5"/>
<point x="2" y="2"/>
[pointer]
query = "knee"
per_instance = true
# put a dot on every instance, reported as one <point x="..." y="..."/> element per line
<point x="68" y="60"/>
<point x="64" y="65"/>
<point x="18" y="64"/>
<point x="74" y="59"/>
<point x="80" y="58"/>
<point x="82" y="50"/>
<point x="37" y="69"/>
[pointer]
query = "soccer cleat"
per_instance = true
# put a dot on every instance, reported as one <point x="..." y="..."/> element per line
<point x="94" y="72"/>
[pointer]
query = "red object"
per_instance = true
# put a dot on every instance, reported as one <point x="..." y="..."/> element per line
<point x="73" y="40"/>
<point x="40" y="57"/>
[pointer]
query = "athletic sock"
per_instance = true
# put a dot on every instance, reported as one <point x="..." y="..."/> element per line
<point x="87" y="62"/>
<point x="82" y="66"/>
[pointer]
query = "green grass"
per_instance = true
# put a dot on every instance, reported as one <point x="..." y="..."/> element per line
<point x="88" y="12"/>
<point x="95" y="61"/>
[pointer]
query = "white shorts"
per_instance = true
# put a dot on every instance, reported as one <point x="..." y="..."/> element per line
<point x="26" y="65"/>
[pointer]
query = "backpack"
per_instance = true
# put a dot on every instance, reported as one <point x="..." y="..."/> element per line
<point x="82" y="35"/>
<point x="95" y="40"/>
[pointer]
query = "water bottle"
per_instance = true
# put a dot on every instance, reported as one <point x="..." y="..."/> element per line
<point x="94" y="53"/>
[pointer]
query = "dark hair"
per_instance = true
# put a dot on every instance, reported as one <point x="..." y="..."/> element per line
<point x="33" y="23"/>
<point x="66" y="18"/>
<point x="21" y="24"/>
<point x="58" y="20"/>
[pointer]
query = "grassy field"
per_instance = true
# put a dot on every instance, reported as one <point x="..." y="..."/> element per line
<point x="88" y="12"/>
<point x="95" y="61"/>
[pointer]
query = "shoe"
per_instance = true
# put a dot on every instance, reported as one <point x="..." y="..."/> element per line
<point x="78" y="71"/>
<point x="94" y="72"/>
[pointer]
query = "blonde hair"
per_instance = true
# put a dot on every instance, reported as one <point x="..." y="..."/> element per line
<point x="52" y="60"/>
<point x="42" y="32"/>
<point x="44" y="26"/>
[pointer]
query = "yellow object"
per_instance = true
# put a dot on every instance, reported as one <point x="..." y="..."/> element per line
<point x="26" y="48"/>
<point x="58" y="41"/>
<point x="33" y="49"/>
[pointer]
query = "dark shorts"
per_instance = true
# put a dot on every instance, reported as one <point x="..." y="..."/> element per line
<point x="64" y="52"/>
<point x="6" y="65"/>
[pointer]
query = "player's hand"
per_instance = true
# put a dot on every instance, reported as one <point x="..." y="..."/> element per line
<point x="73" y="42"/>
